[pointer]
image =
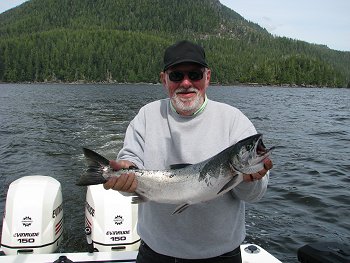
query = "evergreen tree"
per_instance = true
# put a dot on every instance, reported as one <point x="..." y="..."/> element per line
<point x="123" y="41"/>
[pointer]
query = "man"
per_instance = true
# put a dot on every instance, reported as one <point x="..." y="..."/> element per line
<point x="187" y="128"/>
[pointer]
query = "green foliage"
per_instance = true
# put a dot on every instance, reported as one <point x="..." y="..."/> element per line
<point x="124" y="41"/>
<point x="100" y="55"/>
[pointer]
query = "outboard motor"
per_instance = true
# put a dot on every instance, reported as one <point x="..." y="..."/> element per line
<point x="110" y="221"/>
<point x="33" y="217"/>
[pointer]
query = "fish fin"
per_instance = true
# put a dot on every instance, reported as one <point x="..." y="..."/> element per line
<point x="94" y="158"/>
<point x="179" y="166"/>
<point x="228" y="185"/>
<point x="181" y="208"/>
<point x="93" y="175"/>
<point x="137" y="199"/>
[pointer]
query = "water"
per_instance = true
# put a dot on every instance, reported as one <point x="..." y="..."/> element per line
<point x="44" y="127"/>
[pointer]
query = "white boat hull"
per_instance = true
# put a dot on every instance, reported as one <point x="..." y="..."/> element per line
<point x="260" y="256"/>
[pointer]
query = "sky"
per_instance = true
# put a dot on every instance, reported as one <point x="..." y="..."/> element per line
<point x="325" y="22"/>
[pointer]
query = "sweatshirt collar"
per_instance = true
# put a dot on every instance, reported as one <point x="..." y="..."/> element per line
<point x="201" y="109"/>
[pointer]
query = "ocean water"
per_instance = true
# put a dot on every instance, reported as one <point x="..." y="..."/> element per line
<point x="44" y="127"/>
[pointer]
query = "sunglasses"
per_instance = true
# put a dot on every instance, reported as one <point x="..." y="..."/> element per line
<point x="177" y="76"/>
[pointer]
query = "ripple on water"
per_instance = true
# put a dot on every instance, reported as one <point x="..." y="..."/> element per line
<point x="44" y="127"/>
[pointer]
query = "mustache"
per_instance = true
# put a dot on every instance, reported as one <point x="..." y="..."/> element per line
<point x="183" y="90"/>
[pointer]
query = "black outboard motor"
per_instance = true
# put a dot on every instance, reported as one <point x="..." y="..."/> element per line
<point x="324" y="252"/>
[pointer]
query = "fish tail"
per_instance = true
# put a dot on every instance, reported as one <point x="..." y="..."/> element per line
<point x="94" y="174"/>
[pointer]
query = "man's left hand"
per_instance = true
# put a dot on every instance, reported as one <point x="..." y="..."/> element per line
<point x="259" y="175"/>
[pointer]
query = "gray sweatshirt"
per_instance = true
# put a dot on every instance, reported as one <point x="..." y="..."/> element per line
<point x="158" y="137"/>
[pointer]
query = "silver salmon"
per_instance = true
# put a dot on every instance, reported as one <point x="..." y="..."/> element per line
<point x="190" y="183"/>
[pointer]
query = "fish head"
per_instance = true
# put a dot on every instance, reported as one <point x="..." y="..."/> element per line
<point x="249" y="154"/>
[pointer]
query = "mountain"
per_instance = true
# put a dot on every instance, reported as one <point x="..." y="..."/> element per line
<point x="124" y="41"/>
<point x="172" y="17"/>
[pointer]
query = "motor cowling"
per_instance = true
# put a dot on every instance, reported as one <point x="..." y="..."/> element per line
<point x="110" y="221"/>
<point x="33" y="217"/>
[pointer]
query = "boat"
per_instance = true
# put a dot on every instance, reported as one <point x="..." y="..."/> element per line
<point x="250" y="254"/>
<point x="33" y="227"/>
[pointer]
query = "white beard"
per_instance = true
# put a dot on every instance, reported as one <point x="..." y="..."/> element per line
<point x="189" y="105"/>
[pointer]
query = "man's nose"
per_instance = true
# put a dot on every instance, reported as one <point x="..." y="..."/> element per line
<point x="186" y="82"/>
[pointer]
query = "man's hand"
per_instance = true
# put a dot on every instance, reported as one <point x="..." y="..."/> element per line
<point x="257" y="176"/>
<point x="125" y="182"/>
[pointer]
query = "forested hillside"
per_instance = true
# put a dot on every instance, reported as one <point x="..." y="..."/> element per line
<point x="124" y="40"/>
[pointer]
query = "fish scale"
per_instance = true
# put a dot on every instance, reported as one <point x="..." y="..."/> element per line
<point x="186" y="184"/>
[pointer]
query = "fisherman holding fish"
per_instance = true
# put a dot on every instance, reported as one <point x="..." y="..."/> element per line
<point x="189" y="128"/>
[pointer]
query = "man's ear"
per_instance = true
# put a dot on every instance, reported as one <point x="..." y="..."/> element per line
<point x="162" y="77"/>
<point x="208" y="76"/>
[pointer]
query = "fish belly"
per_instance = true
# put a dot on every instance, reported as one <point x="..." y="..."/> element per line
<point x="165" y="188"/>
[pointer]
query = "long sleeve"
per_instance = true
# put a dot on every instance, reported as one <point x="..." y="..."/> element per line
<point x="251" y="191"/>
<point x="133" y="148"/>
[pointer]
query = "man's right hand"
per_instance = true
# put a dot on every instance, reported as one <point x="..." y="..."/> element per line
<point x="125" y="182"/>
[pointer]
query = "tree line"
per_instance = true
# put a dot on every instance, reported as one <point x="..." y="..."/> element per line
<point x="124" y="40"/>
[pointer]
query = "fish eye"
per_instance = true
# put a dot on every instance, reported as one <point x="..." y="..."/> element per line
<point x="249" y="147"/>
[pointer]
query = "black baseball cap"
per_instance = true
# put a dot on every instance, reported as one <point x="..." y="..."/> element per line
<point x="182" y="52"/>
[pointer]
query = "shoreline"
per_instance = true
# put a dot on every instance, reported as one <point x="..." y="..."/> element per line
<point x="257" y="85"/>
